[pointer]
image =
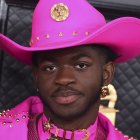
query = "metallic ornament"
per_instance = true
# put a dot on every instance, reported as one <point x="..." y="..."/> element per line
<point x="56" y="132"/>
<point x="86" y="135"/>
<point x="59" y="12"/>
<point x="47" y="36"/>
<point x="74" y="33"/>
<point x="87" y="33"/>
<point x="104" y="92"/>
<point x="60" y="34"/>
<point x="47" y="126"/>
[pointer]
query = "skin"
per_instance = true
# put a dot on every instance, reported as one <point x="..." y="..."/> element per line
<point x="69" y="82"/>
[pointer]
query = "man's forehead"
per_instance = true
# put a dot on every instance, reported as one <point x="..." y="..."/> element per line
<point x="85" y="50"/>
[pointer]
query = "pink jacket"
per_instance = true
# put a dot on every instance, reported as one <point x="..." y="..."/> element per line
<point x="14" y="122"/>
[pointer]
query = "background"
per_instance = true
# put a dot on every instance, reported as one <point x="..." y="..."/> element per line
<point x="16" y="83"/>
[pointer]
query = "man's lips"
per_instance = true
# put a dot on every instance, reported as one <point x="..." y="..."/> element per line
<point x="66" y="97"/>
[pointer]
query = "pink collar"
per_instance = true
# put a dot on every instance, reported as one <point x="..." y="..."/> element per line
<point x="76" y="135"/>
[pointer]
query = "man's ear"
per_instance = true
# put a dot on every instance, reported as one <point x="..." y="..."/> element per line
<point x="108" y="72"/>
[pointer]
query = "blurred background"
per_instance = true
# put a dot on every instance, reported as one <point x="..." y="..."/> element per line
<point x="16" y="83"/>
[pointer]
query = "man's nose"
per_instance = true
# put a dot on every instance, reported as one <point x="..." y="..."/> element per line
<point x="65" y="76"/>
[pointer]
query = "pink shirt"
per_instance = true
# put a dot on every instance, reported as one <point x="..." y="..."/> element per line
<point x="14" y="123"/>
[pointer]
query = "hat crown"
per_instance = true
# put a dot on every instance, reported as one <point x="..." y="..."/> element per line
<point x="78" y="16"/>
<point x="67" y="23"/>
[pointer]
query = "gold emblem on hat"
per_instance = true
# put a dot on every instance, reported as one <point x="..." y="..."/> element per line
<point x="59" y="12"/>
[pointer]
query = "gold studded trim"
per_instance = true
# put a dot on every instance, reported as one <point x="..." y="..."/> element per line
<point x="11" y="118"/>
<point x="59" y="34"/>
<point x="59" y="12"/>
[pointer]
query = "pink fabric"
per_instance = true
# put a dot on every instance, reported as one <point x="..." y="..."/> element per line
<point x="78" y="135"/>
<point x="14" y="123"/>
<point x="120" y="35"/>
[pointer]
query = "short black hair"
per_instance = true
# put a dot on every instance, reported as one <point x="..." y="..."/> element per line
<point x="109" y="54"/>
<point x="102" y="49"/>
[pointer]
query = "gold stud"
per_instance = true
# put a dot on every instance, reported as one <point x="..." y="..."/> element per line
<point x="10" y="116"/>
<point x="4" y="123"/>
<point x="47" y="36"/>
<point x="56" y="132"/>
<point x="17" y="120"/>
<point x="47" y="126"/>
<point x="24" y="116"/>
<point x="37" y="38"/>
<point x="60" y="34"/>
<point x="11" y="125"/>
<point x="86" y="33"/>
<point x="74" y="33"/>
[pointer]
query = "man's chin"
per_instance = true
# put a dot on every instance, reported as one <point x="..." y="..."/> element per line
<point x="68" y="116"/>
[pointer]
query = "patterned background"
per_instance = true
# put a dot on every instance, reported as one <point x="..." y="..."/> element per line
<point x="16" y="82"/>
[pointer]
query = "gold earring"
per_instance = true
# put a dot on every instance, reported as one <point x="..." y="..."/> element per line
<point x="104" y="92"/>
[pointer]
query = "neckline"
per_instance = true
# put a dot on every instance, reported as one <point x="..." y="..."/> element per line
<point x="69" y="135"/>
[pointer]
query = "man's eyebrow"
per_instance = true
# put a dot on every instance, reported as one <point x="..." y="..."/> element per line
<point x="81" y="56"/>
<point x="49" y="59"/>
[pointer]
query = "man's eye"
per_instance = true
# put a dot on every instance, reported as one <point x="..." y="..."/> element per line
<point x="81" y="66"/>
<point x="50" y="68"/>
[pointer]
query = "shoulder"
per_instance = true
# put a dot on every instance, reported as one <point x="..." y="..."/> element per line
<point x="12" y="124"/>
<point x="111" y="130"/>
<point x="15" y="121"/>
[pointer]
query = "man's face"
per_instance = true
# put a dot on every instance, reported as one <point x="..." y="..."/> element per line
<point x="69" y="80"/>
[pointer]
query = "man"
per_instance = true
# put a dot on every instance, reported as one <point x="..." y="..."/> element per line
<point x="73" y="54"/>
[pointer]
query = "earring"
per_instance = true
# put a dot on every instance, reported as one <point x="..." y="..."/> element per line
<point x="104" y="92"/>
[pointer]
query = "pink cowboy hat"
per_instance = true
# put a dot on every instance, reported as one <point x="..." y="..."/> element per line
<point x="66" y="23"/>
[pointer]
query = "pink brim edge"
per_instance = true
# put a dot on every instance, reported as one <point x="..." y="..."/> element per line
<point x="121" y="35"/>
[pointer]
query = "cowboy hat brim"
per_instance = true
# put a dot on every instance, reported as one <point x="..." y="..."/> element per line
<point x="121" y="35"/>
